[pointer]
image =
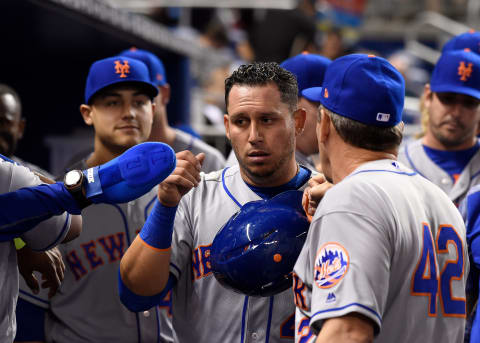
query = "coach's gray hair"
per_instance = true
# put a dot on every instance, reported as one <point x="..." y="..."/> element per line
<point x="365" y="136"/>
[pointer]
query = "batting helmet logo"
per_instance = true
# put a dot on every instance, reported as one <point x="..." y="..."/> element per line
<point x="255" y="251"/>
<point x="331" y="265"/>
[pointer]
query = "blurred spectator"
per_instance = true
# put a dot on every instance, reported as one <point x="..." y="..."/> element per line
<point x="12" y="127"/>
<point x="409" y="66"/>
<point x="284" y="33"/>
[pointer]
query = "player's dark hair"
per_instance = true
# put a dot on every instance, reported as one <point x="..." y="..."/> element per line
<point x="260" y="74"/>
<point x="4" y="89"/>
<point x="365" y="136"/>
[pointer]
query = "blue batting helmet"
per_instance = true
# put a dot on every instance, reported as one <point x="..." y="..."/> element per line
<point x="255" y="251"/>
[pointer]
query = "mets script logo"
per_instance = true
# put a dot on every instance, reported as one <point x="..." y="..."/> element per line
<point x="465" y="71"/>
<point x="122" y="69"/>
<point x="331" y="265"/>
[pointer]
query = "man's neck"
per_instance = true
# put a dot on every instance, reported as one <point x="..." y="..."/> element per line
<point x="430" y="141"/>
<point x="279" y="178"/>
<point x="101" y="154"/>
<point x="161" y="131"/>
<point x="352" y="158"/>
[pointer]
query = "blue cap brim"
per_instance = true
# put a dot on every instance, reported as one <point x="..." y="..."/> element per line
<point x="151" y="88"/>
<point x="457" y="89"/>
<point x="313" y="94"/>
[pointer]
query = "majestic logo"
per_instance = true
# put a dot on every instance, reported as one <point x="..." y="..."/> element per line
<point x="122" y="69"/>
<point x="385" y="117"/>
<point x="465" y="71"/>
<point x="331" y="298"/>
<point x="331" y="265"/>
<point x="325" y="93"/>
<point x="90" y="176"/>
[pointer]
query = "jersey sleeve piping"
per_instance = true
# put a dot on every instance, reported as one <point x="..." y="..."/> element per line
<point x="45" y="303"/>
<point x="175" y="270"/>
<point x="60" y="236"/>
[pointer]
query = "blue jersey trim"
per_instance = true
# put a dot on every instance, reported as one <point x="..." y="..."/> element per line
<point x="158" y="324"/>
<point x="176" y="268"/>
<point x="411" y="162"/>
<point x="125" y="222"/>
<point x="244" y="313"/>
<point x="384" y="170"/>
<point x="228" y="192"/>
<point x="475" y="175"/>
<point x="349" y="305"/>
<point x="129" y="242"/>
<point x="5" y="158"/>
<point x="270" y="312"/>
<point x="34" y="297"/>
<point x="58" y="237"/>
<point x="148" y="206"/>
<point x="139" y="333"/>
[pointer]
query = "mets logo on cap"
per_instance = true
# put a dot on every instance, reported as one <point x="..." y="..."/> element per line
<point x="331" y="265"/>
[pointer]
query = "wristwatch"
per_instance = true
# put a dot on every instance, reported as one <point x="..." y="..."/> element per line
<point x="73" y="181"/>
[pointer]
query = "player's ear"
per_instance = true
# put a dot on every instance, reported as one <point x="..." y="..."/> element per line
<point x="323" y="126"/>
<point x="86" y="112"/>
<point x="164" y="92"/>
<point x="226" y="122"/>
<point x="21" y="128"/>
<point x="427" y="95"/>
<point x="299" y="116"/>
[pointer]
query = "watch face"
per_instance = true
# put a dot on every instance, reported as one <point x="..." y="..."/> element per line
<point x="73" y="177"/>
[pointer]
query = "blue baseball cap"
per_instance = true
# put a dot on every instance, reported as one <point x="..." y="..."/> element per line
<point x="468" y="40"/>
<point x="309" y="69"/>
<point x="153" y="63"/>
<point x="113" y="70"/>
<point x="457" y="72"/>
<point x="364" y="88"/>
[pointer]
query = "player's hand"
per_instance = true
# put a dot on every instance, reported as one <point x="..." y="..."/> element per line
<point x="317" y="187"/>
<point x="49" y="263"/>
<point x="185" y="176"/>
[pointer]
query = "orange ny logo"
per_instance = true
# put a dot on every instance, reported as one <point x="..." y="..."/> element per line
<point x="465" y="72"/>
<point x="122" y="69"/>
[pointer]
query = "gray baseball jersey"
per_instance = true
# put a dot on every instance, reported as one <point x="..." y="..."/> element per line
<point x="414" y="156"/>
<point x="90" y="286"/>
<point x="214" y="160"/>
<point x="44" y="236"/>
<point x="390" y="245"/>
<point x="301" y="159"/>
<point x="203" y="310"/>
<point x="87" y="306"/>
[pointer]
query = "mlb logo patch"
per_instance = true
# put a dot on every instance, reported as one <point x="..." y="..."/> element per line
<point x="331" y="265"/>
<point x="383" y="117"/>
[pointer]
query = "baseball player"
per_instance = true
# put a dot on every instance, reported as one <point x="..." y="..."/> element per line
<point x="448" y="154"/>
<point x="470" y="209"/>
<point x="119" y="105"/>
<point x="179" y="141"/>
<point x="161" y="131"/>
<point x="468" y="40"/>
<point x="309" y="70"/>
<point x="262" y="123"/>
<point x="385" y="258"/>
<point x="42" y="237"/>
<point x="12" y="126"/>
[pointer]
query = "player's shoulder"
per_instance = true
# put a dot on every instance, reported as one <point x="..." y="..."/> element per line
<point x="15" y="176"/>
<point x="372" y="181"/>
<point x="410" y="148"/>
